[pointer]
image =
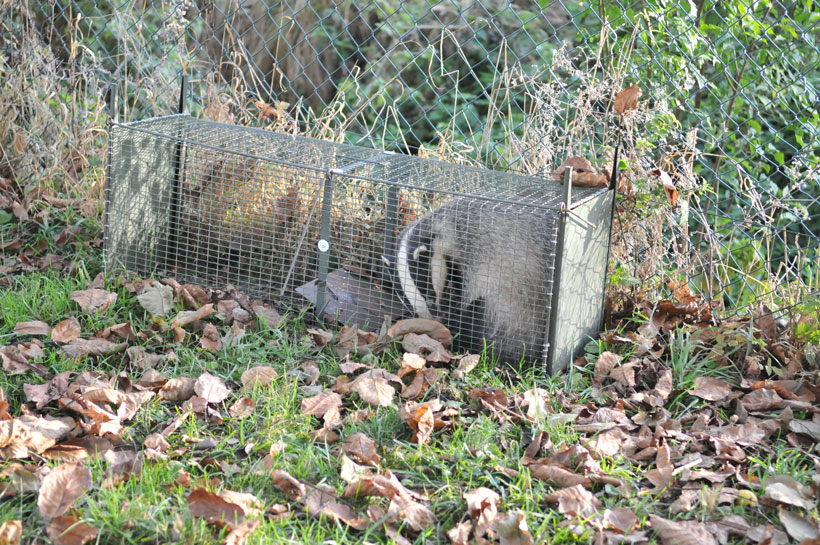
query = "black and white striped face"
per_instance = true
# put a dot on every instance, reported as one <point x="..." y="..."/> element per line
<point x="413" y="270"/>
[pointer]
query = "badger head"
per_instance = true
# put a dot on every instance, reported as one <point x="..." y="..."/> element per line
<point x="410" y="272"/>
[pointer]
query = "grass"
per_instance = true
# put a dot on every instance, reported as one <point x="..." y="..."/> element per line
<point x="480" y="449"/>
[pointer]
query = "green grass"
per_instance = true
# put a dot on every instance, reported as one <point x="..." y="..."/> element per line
<point x="480" y="449"/>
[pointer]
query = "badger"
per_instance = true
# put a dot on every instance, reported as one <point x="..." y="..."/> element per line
<point x="484" y="270"/>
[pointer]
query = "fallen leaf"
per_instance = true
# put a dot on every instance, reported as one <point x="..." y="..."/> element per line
<point x="362" y="447"/>
<point x="576" y="501"/>
<point x="258" y="377"/>
<point x="782" y="489"/>
<point x="688" y="532"/>
<point x="11" y="531"/>
<point x="94" y="299"/>
<point x="318" y="501"/>
<point x="711" y="389"/>
<point x="421" y="326"/>
<point x="61" y="488"/>
<point x="27" y="434"/>
<point x="605" y="363"/>
<point x="620" y="519"/>
<point x="43" y="394"/>
<point x="460" y="533"/>
<point x="800" y="528"/>
<point x="80" y="348"/>
<point x="513" y="529"/>
<point x="210" y="339"/>
<point x="67" y="530"/>
<point x="412" y="513"/>
<point x="410" y="363"/>
<point x="32" y="328"/>
<point x="373" y="388"/>
<point x="187" y="317"/>
<point x="242" y="407"/>
<point x="427" y="347"/>
<point x="211" y="388"/>
<point x="320" y="404"/>
<point x="482" y="506"/>
<point x="156" y="298"/>
<point x="240" y="534"/>
<point x="214" y="509"/>
<point x="178" y="389"/>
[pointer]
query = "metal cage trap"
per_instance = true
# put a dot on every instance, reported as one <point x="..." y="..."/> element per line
<point x="362" y="234"/>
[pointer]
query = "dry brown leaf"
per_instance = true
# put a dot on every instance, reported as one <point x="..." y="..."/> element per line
<point x="688" y="532"/>
<point x="66" y="331"/>
<point x="67" y="530"/>
<point x="363" y="448"/>
<point x="258" y="377"/>
<point x="373" y="388"/>
<point x="318" y="501"/>
<point x="460" y="533"/>
<point x="214" y="509"/>
<point x="711" y="389"/>
<point x="422" y="382"/>
<point x="421" y="418"/>
<point x="383" y="486"/>
<point x="620" y="519"/>
<point x="465" y="365"/>
<point x="122" y="330"/>
<point x="77" y="450"/>
<point x="421" y="326"/>
<point x="513" y="529"/>
<point x="211" y="388"/>
<point x="762" y="399"/>
<point x="187" y="317"/>
<point x="32" y="328"/>
<point x="156" y="298"/>
<point x="557" y="475"/>
<point x="535" y="400"/>
<point x="627" y="99"/>
<point x="662" y="475"/>
<point x="80" y="348"/>
<point x="412" y="513"/>
<point x="94" y="299"/>
<point x="576" y="501"/>
<point x="11" y="531"/>
<point x="18" y="209"/>
<point x="157" y="442"/>
<point x="783" y="489"/>
<point x="61" y="488"/>
<point x="427" y="347"/>
<point x="410" y="363"/>
<point x="16" y="362"/>
<point x="178" y="389"/>
<point x="269" y="316"/>
<point x="482" y="506"/>
<point x="800" y="528"/>
<point x="606" y="362"/>
<point x="240" y="534"/>
<point x="104" y="395"/>
<point x="320" y="404"/>
<point x="242" y="407"/>
<point x="21" y="436"/>
<point x="211" y="340"/>
<point x="43" y="394"/>
<point x="131" y="403"/>
<point x="668" y="186"/>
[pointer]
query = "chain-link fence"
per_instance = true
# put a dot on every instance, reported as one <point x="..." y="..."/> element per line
<point x="721" y="161"/>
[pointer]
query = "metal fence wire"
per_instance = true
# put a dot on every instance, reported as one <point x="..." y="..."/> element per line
<point x="729" y="111"/>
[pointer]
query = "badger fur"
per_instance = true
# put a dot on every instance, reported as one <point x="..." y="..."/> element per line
<point x="483" y="269"/>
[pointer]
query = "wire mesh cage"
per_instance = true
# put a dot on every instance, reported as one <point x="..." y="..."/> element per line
<point x="365" y="235"/>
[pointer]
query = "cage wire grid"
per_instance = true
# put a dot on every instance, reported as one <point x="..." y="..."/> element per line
<point x="247" y="207"/>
